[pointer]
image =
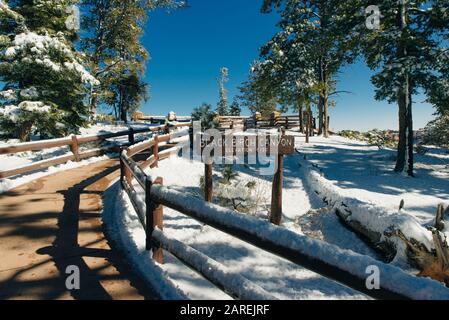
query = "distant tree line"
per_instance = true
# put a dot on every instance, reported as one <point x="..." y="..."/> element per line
<point x="403" y="42"/>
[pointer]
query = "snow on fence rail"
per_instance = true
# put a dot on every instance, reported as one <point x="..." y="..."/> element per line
<point x="73" y="142"/>
<point x="343" y="266"/>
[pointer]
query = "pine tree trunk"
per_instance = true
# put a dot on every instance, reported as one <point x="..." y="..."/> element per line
<point x="301" y="118"/>
<point x="406" y="138"/>
<point x="122" y="108"/>
<point x="322" y="100"/>
<point x="325" y="116"/>
<point x="93" y="104"/>
<point x="411" y="138"/>
<point x="308" y="125"/>
<point x="402" y="145"/>
<point x="320" y="115"/>
<point x="24" y="131"/>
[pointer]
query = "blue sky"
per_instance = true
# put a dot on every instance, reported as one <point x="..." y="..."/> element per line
<point x="188" y="47"/>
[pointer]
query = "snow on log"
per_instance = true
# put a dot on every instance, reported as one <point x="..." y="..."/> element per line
<point x="396" y="234"/>
<point x="344" y="266"/>
<point x="233" y="284"/>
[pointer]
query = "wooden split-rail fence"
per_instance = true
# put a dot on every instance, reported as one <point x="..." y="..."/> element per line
<point x="263" y="235"/>
<point x="256" y="121"/>
<point x="74" y="142"/>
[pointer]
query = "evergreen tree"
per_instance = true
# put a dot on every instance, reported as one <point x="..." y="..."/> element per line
<point x="316" y="32"/>
<point x="438" y="88"/>
<point x="234" y="109"/>
<point x="222" y="107"/>
<point x="290" y="75"/>
<point x="256" y="94"/>
<point x="44" y="81"/>
<point x="437" y="131"/>
<point x="113" y="30"/>
<point x="205" y="115"/>
<point x="404" y="50"/>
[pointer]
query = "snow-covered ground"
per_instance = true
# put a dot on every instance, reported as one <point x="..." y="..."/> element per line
<point x="349" y="165"/>
<point x="365" y="172"/>
<point x="358" y="180"/>
<point x="281" y="278"/>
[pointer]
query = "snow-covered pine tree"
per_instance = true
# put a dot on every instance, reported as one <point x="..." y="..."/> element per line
<point x="290" y="74"/>
<point x="437" y="131"/>
<point x="403" y="50"/>
<point x="255" y="92"/>
<point x="438" y="88"/>
<point x="112" y="33"/>
<point x="222" y="106"/>
<point x="321" y="31"/>
<point x="45" y="83"/>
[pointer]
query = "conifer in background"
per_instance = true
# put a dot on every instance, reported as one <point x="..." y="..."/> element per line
<point x="222" y="107"/>
<point x="407" y="54"/>
<point x="113" y="30"/>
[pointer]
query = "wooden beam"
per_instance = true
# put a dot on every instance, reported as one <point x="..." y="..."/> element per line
<point x="154" y="219"/>
<point x="36" y="146"/>
<point x="208" y="183"/>
<point x="75" y="148"/>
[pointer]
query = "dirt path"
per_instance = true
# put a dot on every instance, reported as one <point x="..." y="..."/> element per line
<point x="53" y="223"/>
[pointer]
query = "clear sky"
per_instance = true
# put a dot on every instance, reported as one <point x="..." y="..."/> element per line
<point x="188" y="47"/>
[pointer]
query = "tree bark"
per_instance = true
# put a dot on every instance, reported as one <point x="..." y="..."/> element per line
<point x="406" y="137"/>
<point x="411" y="138"/>
<point x="323" y="101"/>
<point x="122" y="108"/>
<point x="307" y="126"/>
<point x="325" y="115"/>
<point x="402" y="145"/>
<point x="301" y="118"/>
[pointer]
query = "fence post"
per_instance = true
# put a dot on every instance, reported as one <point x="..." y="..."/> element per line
<point x="156" y="152"/>
<point x="276" y="194"/>
<point x="257" y="118"/>
<point x="131" y="136"/>
<point x="275" y="117"/>
<point x="208" y="183"/>
<point x="286" y="123"/>
<point x="122" y="170"/>
<point x="74" y="148"/>
<point x="153" y="218"/>
<point x="191" y="137"/>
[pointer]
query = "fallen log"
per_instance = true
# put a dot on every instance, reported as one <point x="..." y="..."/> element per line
<point x="433" y="263"/>
<point x="425" y="249"/>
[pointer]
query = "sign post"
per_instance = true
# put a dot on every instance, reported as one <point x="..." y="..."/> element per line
<point x="286" y="146"/>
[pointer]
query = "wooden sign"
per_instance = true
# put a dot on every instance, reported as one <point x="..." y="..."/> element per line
<point x="286" y="145"/>
<point x="245" y="144"/>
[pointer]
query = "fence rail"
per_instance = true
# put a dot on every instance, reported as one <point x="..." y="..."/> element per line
<point x="74" y="142"/>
